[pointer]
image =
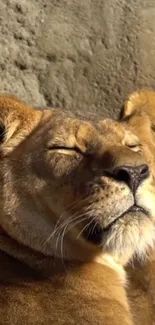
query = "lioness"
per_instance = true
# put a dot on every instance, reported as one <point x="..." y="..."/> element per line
<point x="139" y="115"/>
<point x="76" y="203"/>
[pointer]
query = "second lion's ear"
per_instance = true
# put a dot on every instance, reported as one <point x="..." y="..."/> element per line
<point x="140" y="103"/>
<point x="139" y="115"/>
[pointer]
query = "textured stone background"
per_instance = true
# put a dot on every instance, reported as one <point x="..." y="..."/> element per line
<point x="79" y="54"/>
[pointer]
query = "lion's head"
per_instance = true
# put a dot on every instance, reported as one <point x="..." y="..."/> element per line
<point x="72" y="188"/>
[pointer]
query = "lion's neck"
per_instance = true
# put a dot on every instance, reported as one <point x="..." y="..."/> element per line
<point x="43" y="265"/>
<point x="38" y="262"/>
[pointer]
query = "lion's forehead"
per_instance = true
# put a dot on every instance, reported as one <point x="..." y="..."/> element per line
<point x="63" y="129"/>
<point x="112" y="131"/>
<point x="66" y="131"/>
<point x="65" y="124"/>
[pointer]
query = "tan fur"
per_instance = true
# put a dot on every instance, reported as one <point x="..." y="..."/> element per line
<point x="139" y="114"/>
<point x="55" y="181"/>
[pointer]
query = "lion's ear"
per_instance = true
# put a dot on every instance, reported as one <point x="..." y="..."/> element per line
<point x="16" y="120"/>
<point x="2" y="132"/>
<point x="140" y="103"/>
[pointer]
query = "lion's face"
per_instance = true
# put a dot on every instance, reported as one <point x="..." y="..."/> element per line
<point x="73" y="189"/>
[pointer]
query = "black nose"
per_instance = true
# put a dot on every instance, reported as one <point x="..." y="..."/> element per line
<point x="131" y="175"/>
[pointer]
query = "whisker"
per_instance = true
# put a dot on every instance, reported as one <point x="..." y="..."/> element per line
<point x="63" y="231"/>
<point x="87" y="225"/>
<point x="92" y="230"/>
<point x="68" y="221"/>
<point x="62" y="238"/>
<point x="56" y="228"/>
<point x="78" y="220"/>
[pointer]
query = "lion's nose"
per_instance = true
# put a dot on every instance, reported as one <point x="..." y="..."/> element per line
<point x="131" y="175"/>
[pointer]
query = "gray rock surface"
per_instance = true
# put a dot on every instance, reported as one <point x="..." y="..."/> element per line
<point x="84" y="55"/>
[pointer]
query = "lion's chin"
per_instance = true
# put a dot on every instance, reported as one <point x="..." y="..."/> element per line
<point x="131" y="234"/>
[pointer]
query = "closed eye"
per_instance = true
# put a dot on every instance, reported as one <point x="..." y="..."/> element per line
<point x="63" y="149"/>
<point x="134" y="147"/>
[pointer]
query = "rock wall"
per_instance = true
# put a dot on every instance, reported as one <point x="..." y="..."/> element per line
<point x="84" y="55"/>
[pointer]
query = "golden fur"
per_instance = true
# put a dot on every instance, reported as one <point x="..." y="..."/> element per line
<point x="139" y="115"/>
<point x="66" y="225"/>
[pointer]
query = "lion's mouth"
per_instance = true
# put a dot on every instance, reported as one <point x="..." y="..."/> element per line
<point x="95" y="232"/>
<point x="133" y="209"/>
